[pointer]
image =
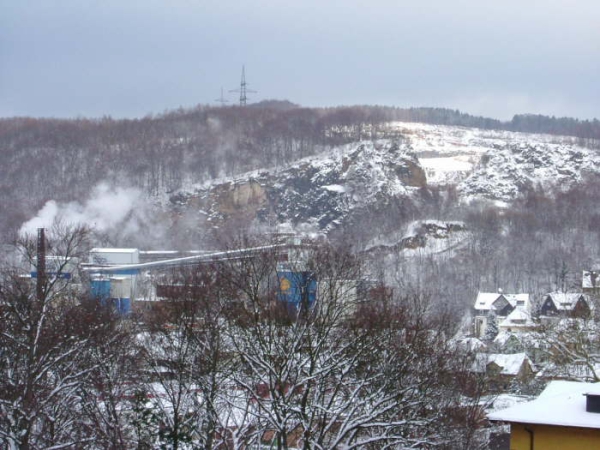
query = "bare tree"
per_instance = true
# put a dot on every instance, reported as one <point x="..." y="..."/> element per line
<point x="186" y="359"/>
<point x="40" y="349"/>
<point x="353" y="370"/>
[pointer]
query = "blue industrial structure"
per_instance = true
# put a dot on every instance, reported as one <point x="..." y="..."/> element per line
<point x="103" y="290"/>
<point x="114" y="273"/>
<point x="297" y="289"/>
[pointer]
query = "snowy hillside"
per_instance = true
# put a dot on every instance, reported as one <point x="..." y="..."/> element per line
<point x="515" y="166"/>
<point x="497" y="164"/>
<point x="329" y="189"/>
<point x="321" y="191"/>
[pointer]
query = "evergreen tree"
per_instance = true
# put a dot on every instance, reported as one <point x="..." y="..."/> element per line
<point x="491" y="329"/>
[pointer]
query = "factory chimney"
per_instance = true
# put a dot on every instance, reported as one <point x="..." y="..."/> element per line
<point x="41" y="264"/>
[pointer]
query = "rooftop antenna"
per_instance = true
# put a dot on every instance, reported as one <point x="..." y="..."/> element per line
<point x="243" y="90"/>
<point x="222" y="100"/>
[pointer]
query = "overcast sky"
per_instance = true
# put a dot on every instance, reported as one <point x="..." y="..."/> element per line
<point x="126" y="58"/>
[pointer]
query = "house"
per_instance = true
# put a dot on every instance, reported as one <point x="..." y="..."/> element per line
<point x="533" y="343"/>
<point x="566" y="305"/>
<point x="566" y="416"/>
<point x="590" y="282"/>
<point x="508" y="342"/>
<point x="469" y="345"/>
<point x="496" y="303"/>
<point x="519" y="320"/>
<point x="504" y="369"/>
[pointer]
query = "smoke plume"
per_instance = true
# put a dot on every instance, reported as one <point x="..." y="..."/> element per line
<point x="119" y="214"/>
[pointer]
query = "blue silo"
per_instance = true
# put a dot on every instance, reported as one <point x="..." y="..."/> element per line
<point x="123" y="305"/>
<point x="103" y="289"/>
<point x="100" y="288"/>
<point x="297" y="288"/>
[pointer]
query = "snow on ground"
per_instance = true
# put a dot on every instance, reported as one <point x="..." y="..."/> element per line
<point x="445" y="170"/>
<point x="504" y="401"/>
<point x="335" y="188"/>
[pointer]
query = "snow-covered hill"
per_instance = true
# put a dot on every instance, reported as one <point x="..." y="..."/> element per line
<point x="497" y="165"/>
<point x="327" y="190"/>
<point x="513" y="167"/>
<point x="321" y="191"/>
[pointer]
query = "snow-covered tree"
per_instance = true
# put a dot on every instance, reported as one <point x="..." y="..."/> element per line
<point x="573" y="349"/>
<point x="355" y="371"/>
<point x="491" y="328"/>
<point x="187" y="362"/>
<point x="42" y="342"/>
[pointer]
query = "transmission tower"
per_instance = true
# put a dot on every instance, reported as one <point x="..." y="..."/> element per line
<point x="222" y="100"/>
<point x="243" y="90"/>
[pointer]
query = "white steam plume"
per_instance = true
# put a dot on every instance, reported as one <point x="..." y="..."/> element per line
<point x="105" y="210"/>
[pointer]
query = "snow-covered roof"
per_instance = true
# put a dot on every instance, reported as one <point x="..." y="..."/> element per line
<point x="503" y="336"/>
<point x="469" y="344"/>
<point x="113" y="250"/>
<point x="564" y="301"/>
<point x="509" y="364"/>
<point x="562" y="403"/>
<point x="518" y="318"/>
<point x="485" y="300"/>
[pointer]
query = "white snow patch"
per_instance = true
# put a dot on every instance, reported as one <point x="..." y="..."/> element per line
<point x="335" y="188"/>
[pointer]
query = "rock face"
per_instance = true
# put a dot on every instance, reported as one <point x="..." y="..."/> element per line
<point x="323" y="191"/>
<point x="381" y="182"/>
<point x="238" y="199"/>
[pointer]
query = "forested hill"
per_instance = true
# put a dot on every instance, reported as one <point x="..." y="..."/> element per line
<point x="64" y="160"/>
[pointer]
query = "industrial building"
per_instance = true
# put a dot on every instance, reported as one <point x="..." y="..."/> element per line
<point x="129" y="279"/>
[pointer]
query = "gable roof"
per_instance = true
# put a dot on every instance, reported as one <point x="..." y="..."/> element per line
<point x="509" y="364"/>
<point x="485" y="300"/>
<point x="565" y="301"/>
<point x="562" y="403"/>
<point x="518" y="318"/>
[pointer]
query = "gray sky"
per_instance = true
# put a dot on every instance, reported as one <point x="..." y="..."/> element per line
<point x="126" y="58"/>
